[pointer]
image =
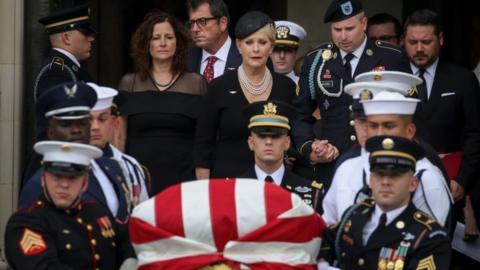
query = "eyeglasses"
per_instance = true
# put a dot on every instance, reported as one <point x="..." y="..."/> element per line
<point x="201" y="22"/>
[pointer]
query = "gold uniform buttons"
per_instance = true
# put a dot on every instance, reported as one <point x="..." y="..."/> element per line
<point x="93" y="242"/>
<point x="114" y="244"/>
<point x="68" y="246"/>
<point x="352" y="123"/>
<point x="353" y="138"/>
<point x="97" y="257"/>
<point x="343" y="254"/>
<point x="350" y="108"/>
<point x="89" y="227"/>
<point x="361" y="262"/>
<point x="79" y="220"/>
<point x="39" y="203"/>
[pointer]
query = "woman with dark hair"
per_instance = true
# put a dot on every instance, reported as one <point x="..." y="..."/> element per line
<point x="221" y="148"/>
<point x="162" y="101"/>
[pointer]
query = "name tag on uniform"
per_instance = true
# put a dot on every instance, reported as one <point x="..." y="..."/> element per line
<point x="327" y="83"/>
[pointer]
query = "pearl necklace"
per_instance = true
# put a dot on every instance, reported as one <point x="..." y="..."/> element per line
<point x="253" y="88"/>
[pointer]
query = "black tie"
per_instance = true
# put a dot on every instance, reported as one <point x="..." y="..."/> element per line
<point x="269" y="179"/>
<point x="348" y="67"/>
<point x="422" y="88"/>
<point x="381" y="224"/>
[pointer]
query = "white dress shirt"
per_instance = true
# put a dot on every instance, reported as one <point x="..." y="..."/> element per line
<point x="276" y="175"/>
<point x="429" y="75"/>
<point x="374" y="220"/>
<point x="357" y="53"/>
<point x="222" y="55"/>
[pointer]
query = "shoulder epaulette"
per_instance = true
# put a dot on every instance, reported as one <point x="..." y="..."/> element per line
<point x="424" y="219"/>
<point x="57" y="61"/>
<point x="369" y="202"/>
<point x="325" y="45"/>
<point x="36" y="204"/>
<point x="387" y="45"/>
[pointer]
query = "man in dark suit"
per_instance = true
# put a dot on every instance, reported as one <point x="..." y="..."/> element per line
<point x="388" y="232"/>
<point x="269" y="125"/>
<point x="67" y="109"/>
<point x="215" y="52"/>
<point x="451" y="103"/>
<point x="325" y="72"/>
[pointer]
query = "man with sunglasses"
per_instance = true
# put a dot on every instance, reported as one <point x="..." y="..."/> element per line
<point x="214" y="51"/>
<point x="269" y="125"/>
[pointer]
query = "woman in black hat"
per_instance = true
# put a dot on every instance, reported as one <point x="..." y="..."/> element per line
<point x="162" y="101"/>
<point x="221" y="148"/>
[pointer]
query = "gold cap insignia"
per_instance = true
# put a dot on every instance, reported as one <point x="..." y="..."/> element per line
<point x="70" y="92"/>
<point x="377" y="77"/>
<point x="388" y="143"/>
<point x="366" y="94"/>
<point x="66" y="147"/>
<point x="282" y="32"/>
<point x="326" y="54"/>
<point x="269" y="109"/>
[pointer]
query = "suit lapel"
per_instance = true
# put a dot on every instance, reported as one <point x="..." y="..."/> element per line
<point x="436" y="92"/>
<point x="234" y="58"/>
<point x="95" y="191"/>
<point x="249" y="174"/>
<point x="358" y="222"/>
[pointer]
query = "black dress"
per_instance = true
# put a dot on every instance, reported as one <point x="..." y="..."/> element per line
<point x="161" y="128"/>
<point x="221" y="140"/>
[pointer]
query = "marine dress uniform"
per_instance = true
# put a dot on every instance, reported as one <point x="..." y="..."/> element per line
<point x="400" y="238"/>
<point x="83" y="236"/>
<point x="325" y="72"/>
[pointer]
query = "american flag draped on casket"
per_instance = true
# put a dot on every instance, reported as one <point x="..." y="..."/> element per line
<point x="244" y="223"/>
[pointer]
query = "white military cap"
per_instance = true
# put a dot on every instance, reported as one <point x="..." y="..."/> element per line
<point x="389" y="103"/>
<point x="66" y="157"/>
<point x="396" y="79"/>
<point x="105" y="96"/>
<point x="289" y="34"/>
<point x="367" y="90"/>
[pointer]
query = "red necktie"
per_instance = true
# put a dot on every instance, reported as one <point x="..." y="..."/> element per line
<point x="208" y="72"/>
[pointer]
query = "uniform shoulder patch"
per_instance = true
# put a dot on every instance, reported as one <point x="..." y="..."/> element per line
<point x="58" y="62"/>
<point x="387" y="45"/>
<point x="424" y="219"/>
<point x="427" y="263"/>
<point x="323" y="46"/>
<point x="32" y="243"/>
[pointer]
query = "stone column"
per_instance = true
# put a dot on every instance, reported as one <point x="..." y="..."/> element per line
<point x="11" y="75"/>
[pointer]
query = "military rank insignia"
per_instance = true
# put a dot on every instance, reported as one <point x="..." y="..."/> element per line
<point x="105" y="227"/>
<point x="427" y="263"/>
<point x="32" y="243"/>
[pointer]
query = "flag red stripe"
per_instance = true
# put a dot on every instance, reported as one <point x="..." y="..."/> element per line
<point x="168" y="210"/>
<point x="276" y="202"/>
<point x="223" y="211"/>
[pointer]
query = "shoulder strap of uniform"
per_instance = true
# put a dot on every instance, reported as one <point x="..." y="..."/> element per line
<point x="56" y="61"/>
<point x="424" y="219"/>
<point x="322" y="46"/>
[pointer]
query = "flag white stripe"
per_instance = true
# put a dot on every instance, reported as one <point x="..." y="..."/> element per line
<point x="146" y="211"/>
<point x="250" y="202"/>
<point x="299" y="208"/>
<point x="197" y="222"/>
<point x="280" y="252"/>
<point x="170" y="248"/>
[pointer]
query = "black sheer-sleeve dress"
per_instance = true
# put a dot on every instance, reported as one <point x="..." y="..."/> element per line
<point x="222" y="133"/>
<point x="161" y="126"/>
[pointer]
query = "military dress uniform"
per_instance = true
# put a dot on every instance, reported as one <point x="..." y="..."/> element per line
<point x="411" y="241"/>
<point x="44" y="237"/>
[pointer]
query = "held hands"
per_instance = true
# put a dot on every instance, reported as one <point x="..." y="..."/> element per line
<point x="457" y="190"/>
<point x="323" y="152"/>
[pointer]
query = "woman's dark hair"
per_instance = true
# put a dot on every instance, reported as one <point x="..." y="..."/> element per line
<point x="143" y="35"/>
